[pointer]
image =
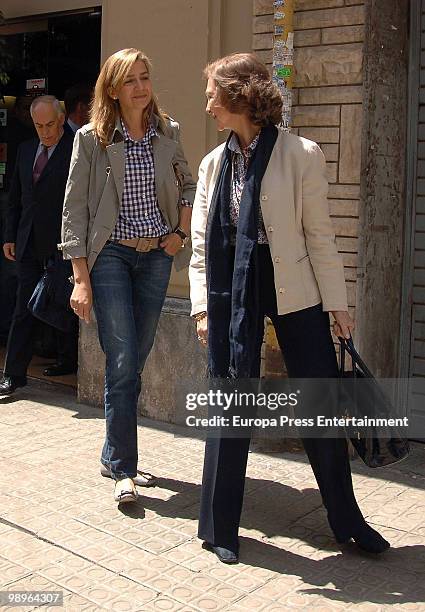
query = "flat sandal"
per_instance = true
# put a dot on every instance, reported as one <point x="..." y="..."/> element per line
<point x="126" y="496"/>
<point x="142" y="479"/>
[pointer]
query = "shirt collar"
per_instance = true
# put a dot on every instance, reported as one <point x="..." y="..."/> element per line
<point x="236" y="148"/>
<point x="122" y="130"/>
<point x="74" y="126"/>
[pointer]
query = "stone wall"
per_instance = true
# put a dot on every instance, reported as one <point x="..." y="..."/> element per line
<point x="176" y="362"/>
<point x="328" y="109"/>
<point x="327" y="102"/>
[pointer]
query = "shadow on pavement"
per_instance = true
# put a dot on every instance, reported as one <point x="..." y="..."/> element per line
<point x="356" y="577"/>
<point x="391" y="578"/>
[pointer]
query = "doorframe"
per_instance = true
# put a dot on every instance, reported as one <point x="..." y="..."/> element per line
<point x="406" y="319"/>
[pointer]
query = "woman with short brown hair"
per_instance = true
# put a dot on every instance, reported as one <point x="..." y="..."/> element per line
<point x="263" y="245"/>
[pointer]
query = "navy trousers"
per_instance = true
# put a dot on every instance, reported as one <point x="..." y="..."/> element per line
<point x="306" y="343"/>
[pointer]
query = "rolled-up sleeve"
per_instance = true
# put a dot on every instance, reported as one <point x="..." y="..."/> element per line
<point x="75" y="215"/>
<point x="188" y="185"/>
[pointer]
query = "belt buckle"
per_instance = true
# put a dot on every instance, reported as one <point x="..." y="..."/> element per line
<point x="144" y="245"/>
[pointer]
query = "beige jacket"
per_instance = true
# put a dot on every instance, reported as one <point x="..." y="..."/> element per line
<point x="307" y="267"/>
<point x="95" y="185"/>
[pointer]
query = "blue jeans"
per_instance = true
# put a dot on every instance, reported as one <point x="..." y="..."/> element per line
<point x="128" y="293"/>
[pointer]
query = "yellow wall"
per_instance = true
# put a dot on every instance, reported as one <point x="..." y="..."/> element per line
<point x="180" y="36"/>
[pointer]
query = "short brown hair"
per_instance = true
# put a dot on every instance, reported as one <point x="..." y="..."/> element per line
<point x="244" y="86"/>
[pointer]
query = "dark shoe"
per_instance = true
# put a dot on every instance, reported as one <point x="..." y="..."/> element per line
<point x="368" y="539"/>
<point x="9" y="384"/>
<point x="224" y="554"/>
<point x="60" y="369"/>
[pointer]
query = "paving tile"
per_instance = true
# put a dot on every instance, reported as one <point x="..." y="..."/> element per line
<point x="140" y="574"/>
<point x="99" y="594"/>
<point x="166" y="603"/>
<point x="249" y="602"/>
<point x="141" y="595"/>
<point x="245" y="581"/>
<point x="148" y="558"/>
<point x="209" y="601"/>
<point x="123" y="604"/>
<point x="55" y="572"/>
<point x="162" y="565"/>
<point x="184" y="593"/>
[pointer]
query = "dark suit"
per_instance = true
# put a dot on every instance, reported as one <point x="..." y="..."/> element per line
<point x="33" y="222"/>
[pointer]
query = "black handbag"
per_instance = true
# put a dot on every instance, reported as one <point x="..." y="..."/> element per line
<point x="50" y="300"/>
<point x="376" y="446"/>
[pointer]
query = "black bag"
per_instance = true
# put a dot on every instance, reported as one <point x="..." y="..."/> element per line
<point x="50" y="300"/>
<point x="375" y="448"/>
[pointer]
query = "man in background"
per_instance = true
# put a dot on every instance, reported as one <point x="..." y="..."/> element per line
<point x="33" y="223"/>
<point x="77" y="105"/>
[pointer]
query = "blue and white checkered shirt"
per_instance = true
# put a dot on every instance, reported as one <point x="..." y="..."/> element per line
<point x="139" y="212"/>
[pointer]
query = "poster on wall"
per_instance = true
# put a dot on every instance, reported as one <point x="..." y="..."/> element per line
<point x="283" y="55"/>
<point x="36" y="85"/>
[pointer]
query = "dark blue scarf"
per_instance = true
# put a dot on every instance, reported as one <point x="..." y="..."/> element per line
<point x="232" y="272"/>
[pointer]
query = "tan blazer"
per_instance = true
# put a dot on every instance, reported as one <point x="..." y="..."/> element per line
<point x="307" y="267"/>
<point x="96" y="182"/>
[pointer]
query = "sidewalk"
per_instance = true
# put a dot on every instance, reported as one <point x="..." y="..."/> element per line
<point x="60" y="529"/>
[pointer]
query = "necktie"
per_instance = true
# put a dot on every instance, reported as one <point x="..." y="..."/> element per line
<point x="40" y="164"/>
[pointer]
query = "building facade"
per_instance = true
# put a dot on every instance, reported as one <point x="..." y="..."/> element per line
<point x="359" y="92"/>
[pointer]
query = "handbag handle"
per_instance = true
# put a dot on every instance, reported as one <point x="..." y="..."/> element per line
<point x="342" y="360"/>
<point x="347" y="344"/>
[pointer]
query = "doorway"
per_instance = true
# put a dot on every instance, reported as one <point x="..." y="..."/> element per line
<point x="43" y="54"/>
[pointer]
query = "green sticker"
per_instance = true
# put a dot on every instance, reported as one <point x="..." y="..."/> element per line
<point x="2" y="168"/>
<point x="284" y="72"/>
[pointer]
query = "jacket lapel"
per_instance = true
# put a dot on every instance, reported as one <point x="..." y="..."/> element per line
<point x="29" y="161"/>
<point x="163" y="152"/>
<point x="116" y="156"/>
<point x="214" y="175"/>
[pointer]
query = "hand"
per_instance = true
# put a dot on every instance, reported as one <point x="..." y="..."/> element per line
<point x="343" y="324"/>
<point x="202" y="330"/>
<point x="81" y="301"/>
<point x="171" y="243"/>
<point x="9" y="250"/>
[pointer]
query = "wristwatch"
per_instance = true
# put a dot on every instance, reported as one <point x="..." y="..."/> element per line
<point x="182" y="235"/>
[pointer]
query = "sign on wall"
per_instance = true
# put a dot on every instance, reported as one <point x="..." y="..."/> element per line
<point x="38" y="85"/>
<point x="283" y="54"/>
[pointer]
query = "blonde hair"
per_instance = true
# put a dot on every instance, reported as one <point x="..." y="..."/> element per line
<point x="104" y="111"/>
<point x="244" y="86"/>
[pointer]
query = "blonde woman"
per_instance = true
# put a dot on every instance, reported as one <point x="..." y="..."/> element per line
<point x="126" y="218"/>
<point x="268" y="249"/>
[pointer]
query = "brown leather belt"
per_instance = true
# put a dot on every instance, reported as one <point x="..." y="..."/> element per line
<point x="143" y="245"/>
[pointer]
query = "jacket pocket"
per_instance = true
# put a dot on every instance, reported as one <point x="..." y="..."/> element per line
<point x="306" y="256"/>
